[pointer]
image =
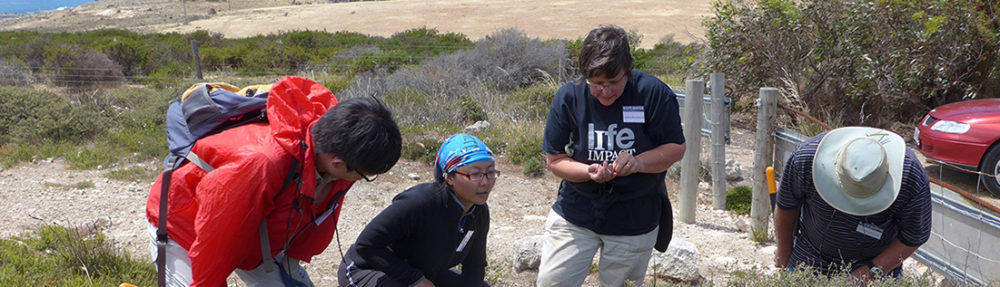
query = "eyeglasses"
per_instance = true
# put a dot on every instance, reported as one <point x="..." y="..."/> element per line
<point x="368" y="179"/>
<point x="615" y="85"/>
<point x="479" y="176"/>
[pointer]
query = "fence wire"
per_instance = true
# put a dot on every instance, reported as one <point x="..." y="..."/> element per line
<point x="965" y="230"/>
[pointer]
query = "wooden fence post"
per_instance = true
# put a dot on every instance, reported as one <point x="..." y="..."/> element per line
<point x="691" y="164"/>
<point x="197" y="59"/>
<point x="763" y="157"/>
<point x="717" y="81"/>
<point x="185" y="7"/>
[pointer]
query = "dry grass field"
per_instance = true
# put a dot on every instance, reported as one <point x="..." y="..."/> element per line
<point x="562" y="19"/>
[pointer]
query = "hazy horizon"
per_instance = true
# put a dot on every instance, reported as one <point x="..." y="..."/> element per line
<point x="30" y="6"/>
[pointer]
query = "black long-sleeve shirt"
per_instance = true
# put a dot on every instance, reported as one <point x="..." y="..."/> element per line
<point x="421" y="234"/>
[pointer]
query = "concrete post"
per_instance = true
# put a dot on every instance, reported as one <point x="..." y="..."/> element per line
<point x="763" y="156"/>
<point x="718" y="84"/>
<point x="691" y="164"/>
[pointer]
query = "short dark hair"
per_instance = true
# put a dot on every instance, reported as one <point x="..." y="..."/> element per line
<point x="605" y="52"/>
<point x="361" y="132"/>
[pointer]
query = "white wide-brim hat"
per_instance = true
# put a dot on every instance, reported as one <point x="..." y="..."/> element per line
<point x="858" y="170"/>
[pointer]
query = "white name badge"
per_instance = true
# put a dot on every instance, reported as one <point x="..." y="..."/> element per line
<point x="871" y="230"/>
<point x="633" y="114"/>
<point x="468" y="235"/>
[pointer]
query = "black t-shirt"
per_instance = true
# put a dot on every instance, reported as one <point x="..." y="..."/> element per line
<point x="643" y="118"/>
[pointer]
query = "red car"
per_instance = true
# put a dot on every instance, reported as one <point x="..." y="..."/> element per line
<point x="965" y="134"/>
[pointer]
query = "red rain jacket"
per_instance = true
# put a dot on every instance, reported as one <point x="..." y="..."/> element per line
<point x="216" y="215"/>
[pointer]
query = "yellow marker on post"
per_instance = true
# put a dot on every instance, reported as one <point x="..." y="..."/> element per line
<point x="772" y="188"/>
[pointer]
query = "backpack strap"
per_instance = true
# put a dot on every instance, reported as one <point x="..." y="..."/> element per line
<point x="161" y="231"/>
<point x="265" y="247"/>
<point x="265" y="242"/>
<point x="196" y="160"/>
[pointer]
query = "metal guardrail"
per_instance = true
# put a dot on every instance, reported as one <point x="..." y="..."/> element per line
<point x="965" y="240"/>
<point x="706" y="126"/>
<point x="785" y="142"/>
<point x="964" y="243"/>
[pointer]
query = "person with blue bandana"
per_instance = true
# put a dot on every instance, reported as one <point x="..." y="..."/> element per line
<point x="432" y="227"/>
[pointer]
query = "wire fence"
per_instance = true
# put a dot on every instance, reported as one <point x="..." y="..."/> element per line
<point x="71" y="76"/>
<point x="965" y="227"/>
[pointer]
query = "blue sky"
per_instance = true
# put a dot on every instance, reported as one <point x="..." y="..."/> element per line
<point x="26" y="6"/>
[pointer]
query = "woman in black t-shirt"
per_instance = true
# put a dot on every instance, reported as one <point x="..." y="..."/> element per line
<point x="610" y="135"/>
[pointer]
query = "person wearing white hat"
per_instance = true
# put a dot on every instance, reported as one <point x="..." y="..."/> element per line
<point x="852" y="199"/>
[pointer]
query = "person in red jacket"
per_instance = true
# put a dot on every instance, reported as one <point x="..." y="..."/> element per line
<point x="213" y="217"/>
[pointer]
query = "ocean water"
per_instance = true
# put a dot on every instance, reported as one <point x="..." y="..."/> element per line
<point x="29" y="6"/>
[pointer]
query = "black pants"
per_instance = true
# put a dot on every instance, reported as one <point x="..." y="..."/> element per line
<point x="349" y="275"/>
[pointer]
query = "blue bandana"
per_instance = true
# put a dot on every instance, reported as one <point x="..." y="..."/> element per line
<point x="457" y="151"/>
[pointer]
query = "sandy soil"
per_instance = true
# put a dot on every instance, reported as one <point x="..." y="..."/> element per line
<point x="561" y="19"/>
<point x="40" y="192"/>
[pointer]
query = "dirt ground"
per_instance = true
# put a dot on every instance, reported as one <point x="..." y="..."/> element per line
<point x="561" y="19"/>
<point x="41" y="192"/>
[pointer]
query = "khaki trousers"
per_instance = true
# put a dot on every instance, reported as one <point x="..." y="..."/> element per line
<point x="568" y="251"/>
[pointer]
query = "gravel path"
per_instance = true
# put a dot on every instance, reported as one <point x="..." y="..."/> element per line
<point x="43" y="192"/>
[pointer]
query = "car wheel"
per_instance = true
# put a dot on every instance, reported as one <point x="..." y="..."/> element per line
<point x="991" y="165"/>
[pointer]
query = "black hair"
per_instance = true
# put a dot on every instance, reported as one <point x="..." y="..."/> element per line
<point x="440" y="175"/>
<point x="362" y="133"/>
<point x="606" y="52"/>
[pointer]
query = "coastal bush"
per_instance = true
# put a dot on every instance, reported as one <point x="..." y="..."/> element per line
<point x="61" y="256"/>
<point x="424" y="151"/>
<point x="15" y="73"/>
<point x="32" y="116"/>
<point x="433" y="91"/>
<point x="738" y="199"/>
<point x="670" y="58"/>
<point x="530" y="103"/>
<point x="77" y="68"/>
<point x="864" y="62"/>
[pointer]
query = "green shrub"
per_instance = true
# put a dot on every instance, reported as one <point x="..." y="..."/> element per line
<point x="90" y="158"/>
<point x="13" y="72"/>
<point x="125" y="48"/>
<point x="336" y="84"/>
<point x="860" y="62"/>
<point x="424" y="151"/>
<point x="811" y="277"/>
<point x="531" y="103"/>
<point x="83" y="185"/>
<point x="59" y="256"/>
<point x="471" y="110"/>
<point x="500" y="63"/>
<point x="35" y="116"/>
<point x="524" y="147"/>
<point x="88" y="129"/>
<point x="168" y="75"/>
<point x="669" y="58"/>
<point x="80" y="68"/>
<point x="498" y="144"/>
<point x="738" y="199"/>
<point x="534" y="166"/>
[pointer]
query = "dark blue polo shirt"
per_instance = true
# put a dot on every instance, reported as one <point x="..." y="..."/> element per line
<point x="826" y="236"/>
